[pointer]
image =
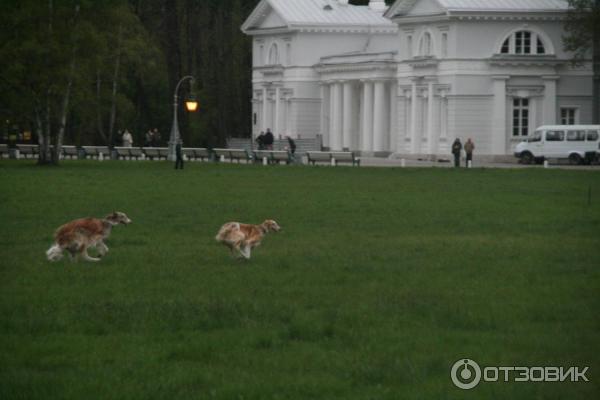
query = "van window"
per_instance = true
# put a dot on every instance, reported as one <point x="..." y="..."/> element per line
<point x="537" y="137"/>
<point x="575" y="136"/>
<point x="592" y="136"/>
<point x="555" y="136"/>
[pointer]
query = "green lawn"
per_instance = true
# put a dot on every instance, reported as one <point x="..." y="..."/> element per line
<point x="380" y="280"/>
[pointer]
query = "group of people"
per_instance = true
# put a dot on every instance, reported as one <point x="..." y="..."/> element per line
<point x="152" y="138"/>
<point x="457" y="148"/>
<point x="265" y="141"/>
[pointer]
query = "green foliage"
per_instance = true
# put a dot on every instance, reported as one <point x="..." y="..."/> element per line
<point x="379" y="281"/>
<point x="583" y="20"/>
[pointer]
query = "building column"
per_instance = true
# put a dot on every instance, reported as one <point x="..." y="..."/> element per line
<point x="379" y="116"/>
<point x="264" y="109"/>
<point x="430" y="119"/>
<point x="549" y="113"/>
<point x="415" y="138"/>
<point x="499" y="115"/>
<point x="367" y="120"/>
<point x="276" y="131"/>
<point x="347" y="118"/>
<point x="393" y="140"/>
<point x="443" y="140"/>
<point x="325" y="114"/>
<point x="335" y="139"/>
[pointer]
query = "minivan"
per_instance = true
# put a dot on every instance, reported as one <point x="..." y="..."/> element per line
<point x="577" y="143"/>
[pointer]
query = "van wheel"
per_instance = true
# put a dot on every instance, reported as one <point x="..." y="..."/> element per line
<point x="527" y="158"/>
<point x="575" y="159"/>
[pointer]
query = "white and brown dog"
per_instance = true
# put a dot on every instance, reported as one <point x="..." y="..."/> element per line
<point x="81" y="234"/>
<point x="244" y="237"/>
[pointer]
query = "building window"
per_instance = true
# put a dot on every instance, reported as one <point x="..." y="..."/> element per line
<point x="520" y="117"/>
<point x="273" y="55"/>
<point x="444" y="45"/>
<point x="409" y="45"/>
<point x="569" y="116"/>
<point x="288" y="54"/>
<point x="261" y="54"/>
<point x="425" y="45"/>
<point x="523" y="42"/>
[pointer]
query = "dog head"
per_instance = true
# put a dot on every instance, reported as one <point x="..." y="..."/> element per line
<point x="271" y="226"/>
<point x="117" y="217"/>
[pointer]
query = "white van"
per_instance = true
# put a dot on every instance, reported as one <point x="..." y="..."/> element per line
<point x="578" y="143"/>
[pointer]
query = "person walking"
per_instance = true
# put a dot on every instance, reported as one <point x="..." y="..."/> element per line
<point x="291" y="149"/>
<point x="260" y="141"/>
<point x="469" y="147"/>
<point x="127" y="139"/>
<point x="178" y="155"/>
<point x="456" y="149"/>
<point x="268" y="140"/>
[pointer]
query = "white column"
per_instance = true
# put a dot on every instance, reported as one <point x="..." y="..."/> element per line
<point x="499" y="115"/>
<point x="367" y="120"/>
<point x="443" y="141"/>
<point x="347" y="118"/>
<point x="393" y="146"/>
<point x="379" y="116"/>
<point x="325" y="113"/>
<point x="430" y="119"/>
<point x="336" y="117"/>
<point x="549" y="106"/>
<point x="276" y="131"/>
<point x="264" y="109"/>
<point x="288" y="112"/>
<point x="415" y="138"/>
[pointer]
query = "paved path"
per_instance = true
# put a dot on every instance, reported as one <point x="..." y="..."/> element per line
<point x="385" y="162"/>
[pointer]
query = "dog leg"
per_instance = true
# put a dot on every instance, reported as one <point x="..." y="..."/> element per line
<point x="87" y="257"/>
<point x="102" y="248"/>
<point x="246" y="251"/>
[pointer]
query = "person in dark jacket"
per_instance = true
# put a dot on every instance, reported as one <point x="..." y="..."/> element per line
<point x="178" y="155"/>
<point x="260" y="141"/>
<point x="269" y="139"/>
<point x="456" y="148"/>
<point x="291" y="148"/>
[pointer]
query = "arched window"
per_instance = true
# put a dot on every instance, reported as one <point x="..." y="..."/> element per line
<point x="273" y="55"/>
<point x="523" y="42"/>
<point x="425" y="45"/>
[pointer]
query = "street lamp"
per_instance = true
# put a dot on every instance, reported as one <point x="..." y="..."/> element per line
<point x="191" y="105"/>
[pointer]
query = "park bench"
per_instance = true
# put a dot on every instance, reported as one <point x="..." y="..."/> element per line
<point x="71" y="152"/>
<point x="345" y="157"/>
<point x="233" y="154"/>
<point x="95" y="151"/>
<point x="4" y="150"/>
<point x="28" y="150"/>
<point x="272" y="156"/>
<point x="136" y="152"/>
<point x="318" y="156"/>
<point x="151" y="152"/>
<point x="201" y="153"/>
<point x="163" y="152"/>
<point x="122" y="153"/>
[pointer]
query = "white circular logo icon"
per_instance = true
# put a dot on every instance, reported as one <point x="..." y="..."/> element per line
<point x="465" y="374"/>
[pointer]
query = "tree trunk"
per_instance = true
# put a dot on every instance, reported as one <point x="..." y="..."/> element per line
<point x="596" y="70"/>
<point x="99" y="124"/>
<point x="113" y="106"/>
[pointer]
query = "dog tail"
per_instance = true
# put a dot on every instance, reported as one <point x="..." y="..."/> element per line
<point x="225" y="230"/>
<point x="54" y="253"/>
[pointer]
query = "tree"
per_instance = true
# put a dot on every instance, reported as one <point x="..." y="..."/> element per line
<point x="582" y="37"/>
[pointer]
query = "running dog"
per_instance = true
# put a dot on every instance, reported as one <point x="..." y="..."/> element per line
<point x="81" y="234"/>
<point x="243" y="237"/>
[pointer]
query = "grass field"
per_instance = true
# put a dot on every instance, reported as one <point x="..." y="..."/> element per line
<point x="380" y="280"/>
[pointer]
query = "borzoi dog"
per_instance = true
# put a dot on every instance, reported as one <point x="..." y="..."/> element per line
<point x="81" y="234"/>
<point x="244" y="237"/>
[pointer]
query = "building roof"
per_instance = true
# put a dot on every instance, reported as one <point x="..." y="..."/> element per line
<point x="505" y="5"/>
<point x="299" y="13"/>
<point x="403" y="7"/>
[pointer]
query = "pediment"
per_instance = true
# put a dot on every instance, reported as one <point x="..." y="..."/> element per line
<point x="264" y="16"/>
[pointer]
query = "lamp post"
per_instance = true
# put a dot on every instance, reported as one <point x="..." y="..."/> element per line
<point x="191" y="105"/>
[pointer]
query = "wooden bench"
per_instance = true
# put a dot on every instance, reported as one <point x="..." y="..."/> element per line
<point x="273" y="156"/>
<point x="136" y="152"/>
<point x="151" y="153"/>
<point x="193" y="153"/>
<point x="122" y="153"/>
<point x="4" y="150"/>
<point x="332" y="156"/>
<point x="318" y="156"/>
<point x="71" y="152"/>
<point x="233" y="154"/>
<point x="345" y="157"/>
<point x="95" y="151"/>
<point x="163" y="152"/>
<point x="28" y="150"/>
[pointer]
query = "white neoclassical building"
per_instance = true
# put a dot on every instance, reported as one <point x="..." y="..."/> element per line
<point x="410" y="78"/>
